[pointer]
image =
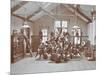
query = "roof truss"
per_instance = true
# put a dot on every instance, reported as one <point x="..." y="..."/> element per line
<point x="70" y="7"/>
<point x="18" y="6"/>
<point x="22" y="18"/>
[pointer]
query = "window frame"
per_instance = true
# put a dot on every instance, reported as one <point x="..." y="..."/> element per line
<point x="44" y="36"/>
<point x="60" y="25"/>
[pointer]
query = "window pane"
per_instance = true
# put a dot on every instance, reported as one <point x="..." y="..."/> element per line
<point x="64" y="24"/>
<point x="44" y="31"/>
<point x="60" y="25"/>
<point x="57" y="24"/>
<point x="44" y="39"/>
<point x="79" y="40"/>
<point x="79" y="32"/>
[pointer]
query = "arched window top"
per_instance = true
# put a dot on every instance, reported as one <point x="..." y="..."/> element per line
<point x="75" y="27"/>
<point x="76" y="33"/>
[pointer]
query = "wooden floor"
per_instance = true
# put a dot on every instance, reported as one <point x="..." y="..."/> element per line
<point x="31" y="65"/>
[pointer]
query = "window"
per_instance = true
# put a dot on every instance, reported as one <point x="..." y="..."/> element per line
<point x="44" y="37"/>
<point x="64" y="24"/>
<point x="60" y="25"/>
<point x="77" y="34"/>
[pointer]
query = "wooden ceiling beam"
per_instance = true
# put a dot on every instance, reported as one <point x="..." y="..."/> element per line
<point x="30" y="16"/>
<point x="81" y="13"/>
<point x="85" y="16"/>
<point x="21" y="18"/>
<point x="36" y="12"/>
<point x="18" y="16"/>
<point x="18" y="6"/>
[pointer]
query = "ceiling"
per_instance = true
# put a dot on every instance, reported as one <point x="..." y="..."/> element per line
<point x="34" y="10"/>
<point x="86" y="9"/>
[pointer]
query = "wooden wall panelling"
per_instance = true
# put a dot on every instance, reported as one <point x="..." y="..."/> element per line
<point x="35" y="43"/>
<point x="17" y="50"/>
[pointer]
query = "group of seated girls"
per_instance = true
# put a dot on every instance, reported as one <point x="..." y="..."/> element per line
<point x="58" y="50"/>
